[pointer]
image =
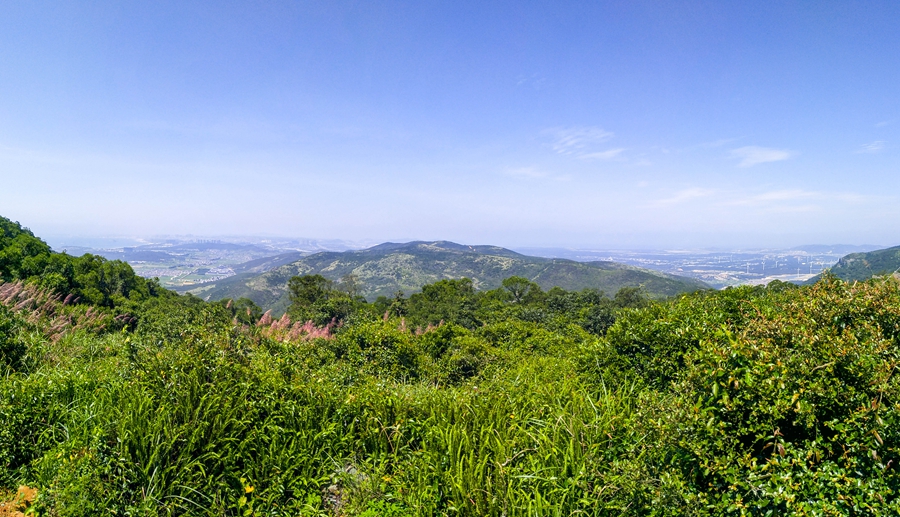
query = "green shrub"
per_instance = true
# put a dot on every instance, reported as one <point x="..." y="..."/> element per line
<point x="748" y="401"/>
<point x="381" y="348"/>
<point x="12" y="349"/>
<point x="797" y="411"/>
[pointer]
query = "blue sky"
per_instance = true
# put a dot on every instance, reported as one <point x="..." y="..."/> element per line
<point x="579" y="124"/>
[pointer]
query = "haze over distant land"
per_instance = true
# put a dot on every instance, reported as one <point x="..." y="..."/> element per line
<point x="577" y="125"/>
<point x="389" y="268"/>
<point x="195" y="263"/>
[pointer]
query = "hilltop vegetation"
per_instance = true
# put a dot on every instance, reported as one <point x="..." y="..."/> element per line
<point x="91" y="279"/>
<point x="388" y="268"/>
<point x="502" y="402"/>
<point x="862" y="266"/>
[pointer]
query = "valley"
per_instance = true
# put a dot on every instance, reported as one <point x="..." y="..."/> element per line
<point x="184" y="263"/>
<point x="200" y="265"/>
<point x="723" y="267"/>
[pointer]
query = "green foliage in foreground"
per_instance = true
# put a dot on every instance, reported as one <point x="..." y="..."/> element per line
<point x="748" y="401"/>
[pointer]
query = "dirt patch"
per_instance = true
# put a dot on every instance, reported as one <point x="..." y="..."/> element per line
<point x="16" y="505"/>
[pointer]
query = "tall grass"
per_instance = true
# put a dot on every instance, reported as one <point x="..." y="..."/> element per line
<point x="194" y="415"/>
<point x="147" y="427"/>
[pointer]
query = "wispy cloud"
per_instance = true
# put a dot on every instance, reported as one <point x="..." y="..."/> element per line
<point x="526" y="172"/>
<point x="534" y="173"/>
<point x="575" y="140"/>
<point x="536" y="81"/>
<point x="688" y="194"/>
<point x="794" y="200"/>
<point x="875" y="147"/>
<point x="884" y="123"/>
<point x="773" y="196"/>
<point x="602" y="155"/>
<point x="771" y="201"/>
<point x="753" y="155"/>
<point x="715" y="143"/>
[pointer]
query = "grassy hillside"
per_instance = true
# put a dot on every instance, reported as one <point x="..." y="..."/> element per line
<point x="748" y="401"/>
<point x="776" y="400"/>
<point x="385" y="269"/>
<point x="862" y="266"/>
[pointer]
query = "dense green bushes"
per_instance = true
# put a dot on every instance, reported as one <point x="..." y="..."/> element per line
<point x="141" y="425"/>
<point x="797" y="409"/>
<point x="785" y="399"/>
<point x="748" y="401"/>
<point x="90" y="279"/>
<point x="12" y="348"/>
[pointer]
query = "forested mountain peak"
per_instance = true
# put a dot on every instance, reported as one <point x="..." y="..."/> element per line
<point x="440" y="246"/>
<point x="862" y="266"/>
<point x="12" y="229"/>
<point x="387" y="268"/>
<point x="93" y="279"/>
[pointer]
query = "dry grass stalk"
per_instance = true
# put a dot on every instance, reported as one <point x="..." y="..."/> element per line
<point x="38" y="305"/>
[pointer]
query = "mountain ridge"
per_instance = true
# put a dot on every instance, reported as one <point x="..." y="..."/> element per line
<point x="387" y="268"/>
<point x="862" y="266"/>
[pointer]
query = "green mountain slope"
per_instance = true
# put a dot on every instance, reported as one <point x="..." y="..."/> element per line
<point x="384" y="269"/>
<point x="862" y="266"/>
<point x="89" y="278"/>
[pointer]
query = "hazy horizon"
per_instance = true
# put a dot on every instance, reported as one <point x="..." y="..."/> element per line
<point x="121" y="241"/>
<point x="623" y="125"/>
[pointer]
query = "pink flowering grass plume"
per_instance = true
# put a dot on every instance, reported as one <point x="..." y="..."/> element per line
<point x="56" y="314"/>
<point x="428" y="328"/>
<point x="283" y="329"/>
<point x="266" y="319"/>
<point x="283" y="324"/>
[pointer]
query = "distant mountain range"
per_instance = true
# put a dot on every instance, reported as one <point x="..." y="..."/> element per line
<point x="586" y="254"/>
<point x="862" y="266"/>
<point x="387" y="268"/>
<point x="836" y="249"/>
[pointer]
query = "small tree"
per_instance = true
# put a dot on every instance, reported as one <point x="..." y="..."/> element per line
<point x="349" y="284"/>
<point x="308" y="290"/>
<point x="522" y="289"/>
